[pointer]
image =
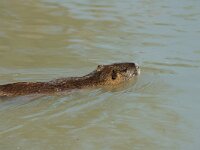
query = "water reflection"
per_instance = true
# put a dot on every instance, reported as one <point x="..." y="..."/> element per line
<point x="97" y="119"/>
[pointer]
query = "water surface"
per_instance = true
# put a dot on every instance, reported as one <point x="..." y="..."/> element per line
<point x="45" y="39"/>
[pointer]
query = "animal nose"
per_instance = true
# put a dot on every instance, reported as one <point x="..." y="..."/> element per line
<point x="137" y="69"/>
<point x="137" y="66"/>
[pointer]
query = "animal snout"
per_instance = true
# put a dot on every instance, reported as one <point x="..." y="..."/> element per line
<point x="137" y="66"/>
<point x="137" y="69"/>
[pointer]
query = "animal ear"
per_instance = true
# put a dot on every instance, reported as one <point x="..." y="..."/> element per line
<point x="114" y="74"/>
<point x="100" y="67"/>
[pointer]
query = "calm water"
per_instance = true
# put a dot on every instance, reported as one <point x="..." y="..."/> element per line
<point x="45" y="39"/>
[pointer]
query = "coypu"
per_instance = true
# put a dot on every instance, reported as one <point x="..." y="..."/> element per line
<point x="105" y="75"/>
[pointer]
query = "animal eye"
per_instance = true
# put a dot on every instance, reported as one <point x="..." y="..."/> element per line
<point x="114" y="75"/>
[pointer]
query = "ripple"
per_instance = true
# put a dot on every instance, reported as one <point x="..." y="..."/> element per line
<point x="153" y="44"/>
<point x="77" y="106"/>
<point x="158" y="70"/>
<point x="11" y="129"/>
<point x="173" y="64"/>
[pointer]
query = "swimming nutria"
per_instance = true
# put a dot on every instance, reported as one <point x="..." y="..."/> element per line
<point x="104" y="75"/>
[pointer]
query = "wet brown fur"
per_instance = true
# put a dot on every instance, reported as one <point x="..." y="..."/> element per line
<point x="104" y="75"/>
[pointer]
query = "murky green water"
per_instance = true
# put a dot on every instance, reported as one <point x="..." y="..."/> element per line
<point x="45" y="39"/>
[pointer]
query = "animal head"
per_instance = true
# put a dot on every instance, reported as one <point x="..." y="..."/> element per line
<point x="117" y="73"/>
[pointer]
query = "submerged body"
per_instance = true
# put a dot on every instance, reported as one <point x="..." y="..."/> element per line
<point x="105" y="75"/>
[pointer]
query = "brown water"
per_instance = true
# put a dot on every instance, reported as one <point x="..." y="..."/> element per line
<point x="45" y="39"/>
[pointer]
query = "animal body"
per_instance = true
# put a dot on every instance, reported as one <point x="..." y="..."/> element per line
<point x="104" y="75"/>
